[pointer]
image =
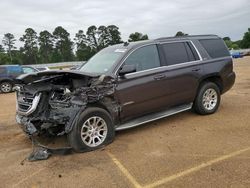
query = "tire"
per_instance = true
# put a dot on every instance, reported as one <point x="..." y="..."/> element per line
<point x="89" y="140"/>
<point x="208" y="99"/>
<point x="6" y="87"/>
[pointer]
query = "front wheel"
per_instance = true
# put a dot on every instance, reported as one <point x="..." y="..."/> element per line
<point x="6" y="87"/>
<point x="208" y="99"/>
<point x="93" y="130"/>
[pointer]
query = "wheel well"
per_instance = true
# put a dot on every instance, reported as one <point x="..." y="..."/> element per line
<point x="114" y="116"/>
<point x="99" y="105"/>
<point x="6" y="80"/>
<point x="215" y="79"/>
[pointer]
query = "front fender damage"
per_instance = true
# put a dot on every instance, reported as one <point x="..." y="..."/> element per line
<point x="64" y="96"/>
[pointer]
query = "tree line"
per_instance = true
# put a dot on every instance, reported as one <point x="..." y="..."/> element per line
<point x="57" y="46"/>
<point x="232" y="45"/>
<point x="239" y="44"/>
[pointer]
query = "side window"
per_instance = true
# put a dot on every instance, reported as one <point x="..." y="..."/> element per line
<point x="144" y="58"/>
<point x="215" y="47"/>
<point x="175" y="53"/>
<point x="192" y="53"/>
<point x="28" y="70"/>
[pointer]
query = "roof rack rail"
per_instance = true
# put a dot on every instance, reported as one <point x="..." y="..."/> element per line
<point x="187" y="36"/>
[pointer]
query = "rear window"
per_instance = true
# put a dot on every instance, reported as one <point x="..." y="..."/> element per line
<point x="215" y="47"/>
<point x="179" y="52"/>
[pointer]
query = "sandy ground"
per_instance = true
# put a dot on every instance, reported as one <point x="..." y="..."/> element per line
<point x="185" y="150"/>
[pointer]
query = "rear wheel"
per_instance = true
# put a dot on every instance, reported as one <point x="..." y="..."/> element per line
<point x="6" y="87"/>
<point x="93" y="130"/>
<point x="208" y="99"/>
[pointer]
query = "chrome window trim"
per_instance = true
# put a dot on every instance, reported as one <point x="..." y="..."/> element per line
<point x="199" y="55"/>
<point x="197" y="51"/>
<point x="165" y="67"/>
<point x="214" y="59"/>
<point x="161" y="67"/>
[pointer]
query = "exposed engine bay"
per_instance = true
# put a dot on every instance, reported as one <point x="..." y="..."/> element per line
<point x="50" y="102"/>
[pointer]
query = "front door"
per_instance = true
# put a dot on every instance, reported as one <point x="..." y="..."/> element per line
<point x="141" y="92"/>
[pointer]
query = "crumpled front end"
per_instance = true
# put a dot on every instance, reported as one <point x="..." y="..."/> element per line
<point x="51" y="111"/>
<point x="52" y="103"/>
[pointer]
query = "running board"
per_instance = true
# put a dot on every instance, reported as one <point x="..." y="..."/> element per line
<point x="153" y="117"/>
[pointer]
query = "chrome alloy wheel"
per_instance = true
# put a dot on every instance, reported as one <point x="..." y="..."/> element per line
<point x="94" y="131"/>
<point x="209" y="99"/>
<point x="6" y="87"/>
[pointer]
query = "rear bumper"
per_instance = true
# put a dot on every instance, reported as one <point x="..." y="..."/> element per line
<point x="229" y="82"/>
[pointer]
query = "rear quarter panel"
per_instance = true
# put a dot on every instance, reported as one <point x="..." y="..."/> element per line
<point x="221" y="67"/>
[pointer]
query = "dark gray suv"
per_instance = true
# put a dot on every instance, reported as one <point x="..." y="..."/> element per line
<point x="124" y="86"/>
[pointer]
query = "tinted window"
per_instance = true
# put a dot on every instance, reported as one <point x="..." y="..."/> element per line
<point x="215" y="47"/>
<point x="175" y="53"/>
<point x="193" y="56"/>
<point x="144" y="58"/>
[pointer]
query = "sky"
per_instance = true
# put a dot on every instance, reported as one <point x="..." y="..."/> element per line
<point x="157" y="18"/>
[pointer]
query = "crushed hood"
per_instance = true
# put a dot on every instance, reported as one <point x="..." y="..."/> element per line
<point x="47" y="75"/>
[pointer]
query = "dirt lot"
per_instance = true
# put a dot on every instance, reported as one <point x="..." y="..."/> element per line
<point x="185" y="150"/>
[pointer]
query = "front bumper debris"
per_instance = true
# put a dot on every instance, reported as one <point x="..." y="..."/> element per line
<point x="41" y="152"/>
<point x="28" y="127"/>
<point x="51" y="103"/>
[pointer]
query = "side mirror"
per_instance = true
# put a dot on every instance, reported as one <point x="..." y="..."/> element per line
<point x="127" y="69"/>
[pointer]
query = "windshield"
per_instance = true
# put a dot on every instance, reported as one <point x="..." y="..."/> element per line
<point x="103" y="60"/>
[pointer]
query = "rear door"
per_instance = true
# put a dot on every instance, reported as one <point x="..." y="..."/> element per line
<point x="141" y="92"/>
<point x="183" y="70"/>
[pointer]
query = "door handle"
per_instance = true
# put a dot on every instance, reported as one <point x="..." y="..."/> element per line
<point x="160" y="77"/>
<point x="196" y="69"/>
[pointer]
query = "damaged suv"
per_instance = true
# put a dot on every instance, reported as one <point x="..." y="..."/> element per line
<point x="124" y="86"/>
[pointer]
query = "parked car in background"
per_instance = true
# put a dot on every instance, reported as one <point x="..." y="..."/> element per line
<point x="77" y="67"/>
<point x="236" y="54"/>
<point x="42" y="68"/>
<point x="124" y="86"/>
<point x="7" y="75"/>
<point x="9" y="72"/>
